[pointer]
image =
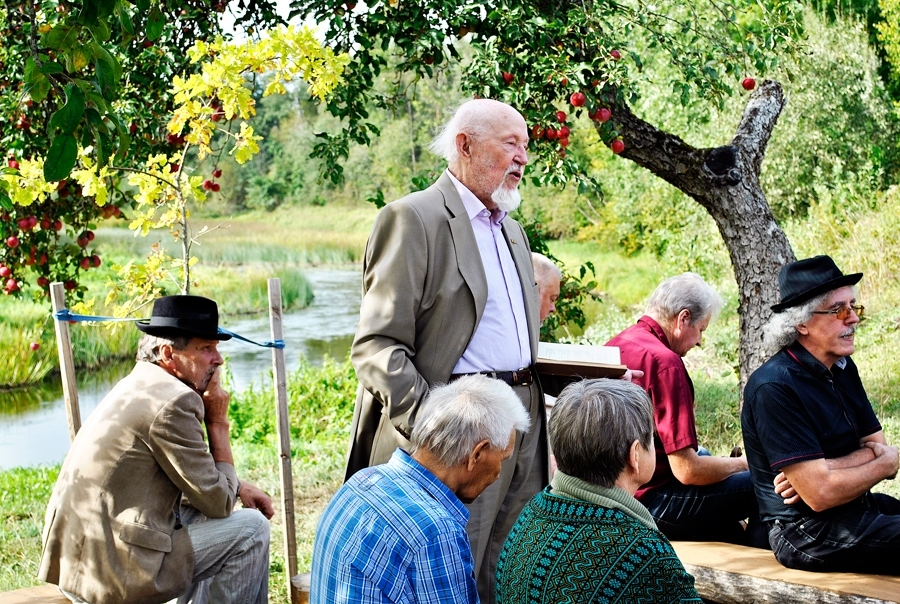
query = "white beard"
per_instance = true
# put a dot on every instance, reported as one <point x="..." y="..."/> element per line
<point x="506" y="199"/>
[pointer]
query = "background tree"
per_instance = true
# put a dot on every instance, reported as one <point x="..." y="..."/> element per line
<point x="556" y="61"/>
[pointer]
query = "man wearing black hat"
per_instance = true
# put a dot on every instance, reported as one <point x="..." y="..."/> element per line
<point x="814" y="445"/>
<point x="142" y="511"/>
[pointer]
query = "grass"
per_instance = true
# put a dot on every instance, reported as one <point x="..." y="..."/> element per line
<point x="24" y="493"/>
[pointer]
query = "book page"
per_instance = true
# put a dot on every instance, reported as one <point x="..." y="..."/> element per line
<point x="604" y="355"/>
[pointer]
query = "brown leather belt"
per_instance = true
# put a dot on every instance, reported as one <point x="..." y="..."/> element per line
<point x="521" y="377"/>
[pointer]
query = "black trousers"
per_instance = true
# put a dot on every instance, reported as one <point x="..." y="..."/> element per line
<point x="862" y="537"/>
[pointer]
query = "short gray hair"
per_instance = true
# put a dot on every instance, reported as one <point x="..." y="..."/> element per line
<point x="687" y="291"/>
<point x="472" y="117"/>
<point x="148" y="349"/>
<point x="593" y="425"/>
<point x="781" y="330"/>
<point x="455" y="417"/>
<point x="544" y="269"/>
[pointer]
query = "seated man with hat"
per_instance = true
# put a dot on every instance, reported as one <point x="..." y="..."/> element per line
<point x="143" y="510"/>
<point x="814" y="445"/>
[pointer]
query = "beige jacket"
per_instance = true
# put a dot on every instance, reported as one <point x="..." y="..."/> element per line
<point x="110" y="532"/>
<point x="424" y="291"/>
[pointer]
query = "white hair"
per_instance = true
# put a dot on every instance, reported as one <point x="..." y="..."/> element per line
<point x="781" y="330"/>
<point x="687" y="291"/>
<point x="472" y="117"/>
<point x="148" y="349"/>
<point x="545" y="271"/>
<point x="455" y="417"/>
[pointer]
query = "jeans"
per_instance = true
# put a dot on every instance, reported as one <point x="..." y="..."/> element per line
<point x="862" y="537"/>
<point x="710" y="512"/>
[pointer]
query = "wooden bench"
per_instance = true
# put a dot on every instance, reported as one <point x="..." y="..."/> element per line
<point x="44" y="594"/>
<point x="732" y="574"/>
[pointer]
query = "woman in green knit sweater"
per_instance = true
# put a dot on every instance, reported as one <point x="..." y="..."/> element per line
<point x="585" y="538"/>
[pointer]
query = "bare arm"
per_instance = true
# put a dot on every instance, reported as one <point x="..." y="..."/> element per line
<point x="690" y="468"/>
<point x="826" y="483"/>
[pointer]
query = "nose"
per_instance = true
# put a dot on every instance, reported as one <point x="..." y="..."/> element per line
<point x="521" y="155"/>
<point x="217" y="359"/>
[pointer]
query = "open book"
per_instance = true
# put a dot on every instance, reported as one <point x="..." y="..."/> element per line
<point x="579" y="361"/>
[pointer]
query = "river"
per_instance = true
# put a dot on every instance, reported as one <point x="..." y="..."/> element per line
<point x="33" y="426"/>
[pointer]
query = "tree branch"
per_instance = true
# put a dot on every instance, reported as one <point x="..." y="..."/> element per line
<point x="758" y="122"/>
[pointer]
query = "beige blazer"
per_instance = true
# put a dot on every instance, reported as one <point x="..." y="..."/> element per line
<point x="424" y="291"/>
<point x="110" y="532"/>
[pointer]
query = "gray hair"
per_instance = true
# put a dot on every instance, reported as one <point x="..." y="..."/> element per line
<point x="687" y="291"/>
<point x="455" y="417"/>
<point x="544" y="270"/>
<point x="781" y="330"/>
<point x="148" y="349"/>
<point x="472" y="117"/>
<point x="593" y="425"/>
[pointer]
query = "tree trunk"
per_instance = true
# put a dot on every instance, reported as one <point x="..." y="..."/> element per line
<point x="725" y="181"/>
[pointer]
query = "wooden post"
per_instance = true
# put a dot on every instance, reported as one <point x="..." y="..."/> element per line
<point x="284" y="436"/>
<point x="66" y="361"/>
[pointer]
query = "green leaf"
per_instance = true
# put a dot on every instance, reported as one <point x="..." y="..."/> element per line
<point x="51" y="68"/>
<point x="108" y="72"/>
<point x="38" y="90"/>
<point x="100" y="31"/>
<point x="90" y="12"/>
<point x="125" y="18"/>
<point x="155" y="23"/>
<point x="61" y="157"/>
<point x="69" y="115"/>
<point x="62" y="37"/>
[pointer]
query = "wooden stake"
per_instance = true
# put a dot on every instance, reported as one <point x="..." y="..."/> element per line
<point x="284" y="436"/>
<point x="66" y="361"/>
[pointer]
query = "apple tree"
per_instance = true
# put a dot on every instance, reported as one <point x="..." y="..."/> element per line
<point x="561" y="61"/>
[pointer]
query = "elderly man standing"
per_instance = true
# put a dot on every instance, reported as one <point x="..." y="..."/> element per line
<point x="586" y="535"/>
<point x="449" y="290"/>
<point x="117" y="527"/>
<point x="810" y="431"/>
<point x="397" y="532"/>
<point x="692" y="495"/>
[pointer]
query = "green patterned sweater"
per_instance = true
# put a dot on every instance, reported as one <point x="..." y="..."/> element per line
<point x="577" y="543"/>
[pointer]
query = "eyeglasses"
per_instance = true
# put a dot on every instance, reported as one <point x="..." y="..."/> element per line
<point x="842" y="313"/>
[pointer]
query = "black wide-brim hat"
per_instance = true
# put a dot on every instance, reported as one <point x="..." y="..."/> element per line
<point x="189" y="316"/>
<point x="803" y="280"/>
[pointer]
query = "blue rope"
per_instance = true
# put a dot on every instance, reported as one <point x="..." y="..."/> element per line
<point x="67" y="315"/>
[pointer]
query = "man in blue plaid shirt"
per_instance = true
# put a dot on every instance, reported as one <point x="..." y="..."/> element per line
<point x="397" y="532"/>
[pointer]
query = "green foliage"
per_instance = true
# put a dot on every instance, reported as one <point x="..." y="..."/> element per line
<point x="24" y="494"/>
<point x="889" y="36"/>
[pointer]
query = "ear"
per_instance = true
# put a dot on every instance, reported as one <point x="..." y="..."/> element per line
<point x="463" y="144"/>
<point x="634" y="457"/>
<point x="802" y="329"/>
<point x="166" y="353"/>
<point x="684" y="317"/>
<point x="478" y="453"/>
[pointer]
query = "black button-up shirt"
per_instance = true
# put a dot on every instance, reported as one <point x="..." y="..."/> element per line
<point x="796" y="409"/>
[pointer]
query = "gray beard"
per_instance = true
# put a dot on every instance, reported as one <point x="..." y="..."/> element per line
<point x="506" y="199"/>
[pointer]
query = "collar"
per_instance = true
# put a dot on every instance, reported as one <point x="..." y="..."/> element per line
<point x="564" y="485"/>
<point x="403" y="461"/>
<point x="473" y="205"/>
<point x="802" y="356"/>
<point x="651" y="325"/>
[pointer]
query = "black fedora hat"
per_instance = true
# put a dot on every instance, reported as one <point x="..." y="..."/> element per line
<point x="803" y="280"/>
<point x="191" y="316"/>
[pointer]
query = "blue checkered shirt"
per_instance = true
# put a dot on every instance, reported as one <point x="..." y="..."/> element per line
<point x="393" y="533"/>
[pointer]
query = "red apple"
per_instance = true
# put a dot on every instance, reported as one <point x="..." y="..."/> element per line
<point x="537" y="132"/>
<point x="132" y="128"/>
<point x="43" y="281"/>
<point x="12" y="285"/>
<point x="550" y="134"/>
<point x="147" y="43"/>
<point x="508" y="77"/>
<point x="24" y="224"/>
<point x="42" y="260"/>
<point x="12" y="241"/>
<point x="217" y="173"/>
<point x="564" y="82"/>
<point x="564" y="132"/>
<point x="35" y="345"/>
<point x="174" y="168"/>
<point x="89" y="235"/>
<point x="564" y="141"/>
<point x="207" y="184"/>
<point x="577" y="99"/>
<point x="70" y="284"/>
<point x="748" y="83"/>
<point x="57" y="225"/>
<point x="617" y="146"/>
<point x="45" y="223"/>
<point x="561" y="116"/>
<point x="215" y="187"/>
<point x="82" y="241"/>
<point x="5" y="271"/>
<point x="95" y="260"/>
<point x="85" y="263"/>
<point x="615" y="54"/>
<point x="13" y="164"/>
<point x="32" y="221"/>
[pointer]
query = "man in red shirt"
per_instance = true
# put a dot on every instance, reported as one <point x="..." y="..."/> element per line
<point x="692" y="494"/>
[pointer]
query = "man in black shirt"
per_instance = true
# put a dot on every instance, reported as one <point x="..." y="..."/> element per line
<point x="810" y="431"/>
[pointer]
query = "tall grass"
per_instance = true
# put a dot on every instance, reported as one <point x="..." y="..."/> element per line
<point x="24" y="493"/>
